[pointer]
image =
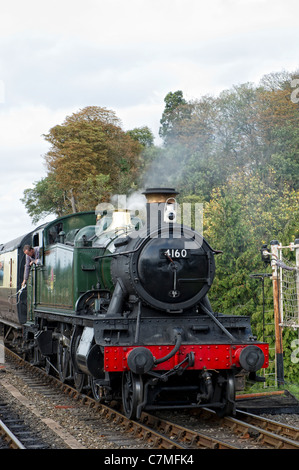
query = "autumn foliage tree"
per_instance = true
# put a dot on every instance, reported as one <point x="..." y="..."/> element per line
<point x="90" y="156"/>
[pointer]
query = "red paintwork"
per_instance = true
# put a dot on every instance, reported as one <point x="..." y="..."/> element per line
<point x="211" y="356"/>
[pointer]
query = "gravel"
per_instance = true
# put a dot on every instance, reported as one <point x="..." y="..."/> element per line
<point x="90" y="429"/>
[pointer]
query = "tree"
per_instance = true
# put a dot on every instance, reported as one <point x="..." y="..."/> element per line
<point x="90" y="156"/>
<point x="176" y="109"/>
<point x="143" y="135"/>
<point x="44" y="199"/>
<point x="278" y="116"/>
<point x="88" y="143"/>
<point x="94" y="189"/>
<point x="240" y="217"/>
<point x="246" y="127"/>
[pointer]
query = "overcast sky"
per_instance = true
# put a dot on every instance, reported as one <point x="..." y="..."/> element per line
<point x="126" y="55"/>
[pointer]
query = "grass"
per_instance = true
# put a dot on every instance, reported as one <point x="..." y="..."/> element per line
<point x="261" y="388"/>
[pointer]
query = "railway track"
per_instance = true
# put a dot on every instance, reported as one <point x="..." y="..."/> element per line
<point x="64" y="397"/>
<point x="8" y="438"/>
<point x="156" y="432"/>
<point x="263" y="430"/>
<point x="15" y="432"/>
<point x="290" y="434"/>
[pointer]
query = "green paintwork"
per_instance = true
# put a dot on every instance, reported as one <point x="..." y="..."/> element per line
<point x="86" y="270"/>
<point x="68" y="266"/>
<point x="57" y="283"/>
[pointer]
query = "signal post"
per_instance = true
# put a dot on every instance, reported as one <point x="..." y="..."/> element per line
<point x="277" y="317"/>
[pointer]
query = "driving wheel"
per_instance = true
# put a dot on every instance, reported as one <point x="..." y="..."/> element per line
<point x="132" y="393"/>
<point x="96" y="391"/>
<point x="229" y="397"/>
<point x="79" y="381"/>
<point x="64" y="365"/>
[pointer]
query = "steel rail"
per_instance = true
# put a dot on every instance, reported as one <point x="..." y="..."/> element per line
<point x="270" y="425"/>
<point x="137" y="428"/>
<point x="261" y="435"/>
<point x="257" y="431"/>
<point x="193" y="439"/>
<point x="9" y="437"/>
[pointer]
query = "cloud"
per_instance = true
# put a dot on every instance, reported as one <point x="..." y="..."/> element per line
<point x="21" y="148"/>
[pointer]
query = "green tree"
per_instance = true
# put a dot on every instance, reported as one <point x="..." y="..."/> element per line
<point x="143" y="135"/>
<point x="239" y="218"/>
<point x="44" y="199"/>
<point x="176" y="109"/>
<point x="278" y="115"/>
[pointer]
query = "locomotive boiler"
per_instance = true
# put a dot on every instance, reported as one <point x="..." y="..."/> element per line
<point x="119" y="306"/>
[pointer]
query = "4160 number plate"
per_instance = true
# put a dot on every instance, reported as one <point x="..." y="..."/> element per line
<point x="174" y="253"/>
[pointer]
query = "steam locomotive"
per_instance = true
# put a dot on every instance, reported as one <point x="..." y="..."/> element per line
<point x="118" y="307"/>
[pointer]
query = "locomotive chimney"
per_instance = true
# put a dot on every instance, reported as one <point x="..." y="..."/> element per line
<point x="160" y="206"/>
<point x="159" y="195"/>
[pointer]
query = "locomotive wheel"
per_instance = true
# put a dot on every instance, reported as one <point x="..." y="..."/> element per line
<point x="38" y="359"/>
<point x="95" y="389"/>
<point x="79" y="380"/>
<point x="229" y="396"/>
<point x="64" y="365"/>
<point x="132" y="393"/>
<point x="50" y="370"/>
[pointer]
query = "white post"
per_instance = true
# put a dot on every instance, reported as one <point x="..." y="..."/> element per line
<point x="277" y="320"/>
<point x="297" y="274"/>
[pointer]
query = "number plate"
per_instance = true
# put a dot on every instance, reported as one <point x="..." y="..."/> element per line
<point x="174" y="253"/>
